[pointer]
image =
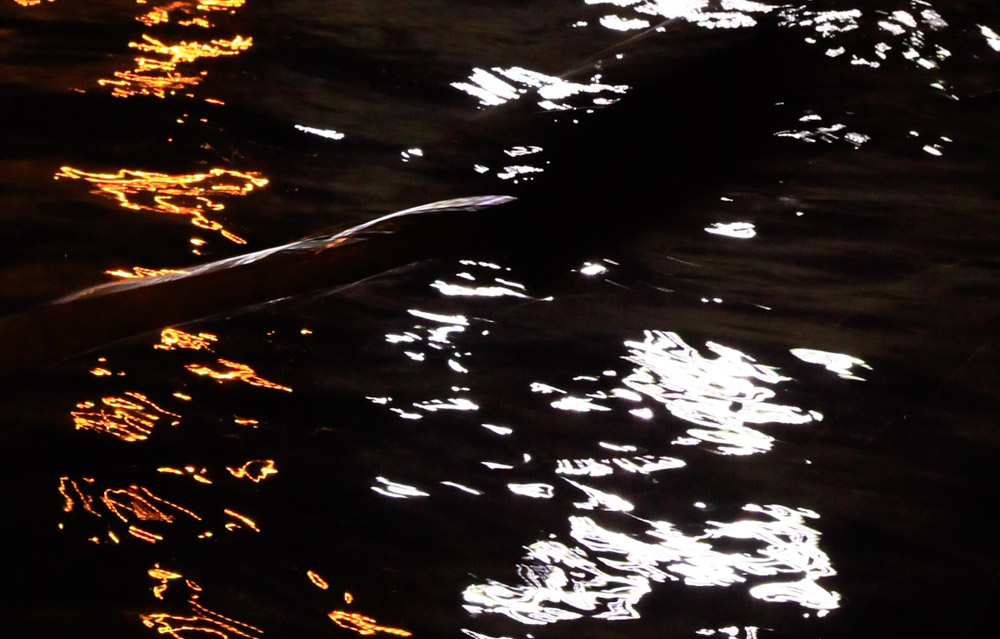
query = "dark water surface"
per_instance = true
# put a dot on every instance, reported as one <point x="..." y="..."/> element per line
<point x="721" y="363"/>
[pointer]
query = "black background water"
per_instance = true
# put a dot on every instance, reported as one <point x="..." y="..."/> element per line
<point x="628" y="323"/>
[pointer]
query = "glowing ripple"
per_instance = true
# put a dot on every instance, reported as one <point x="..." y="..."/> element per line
<point x="190" y="194"/>
<point x="364" y="625"/>
<point x="174" y="338"/>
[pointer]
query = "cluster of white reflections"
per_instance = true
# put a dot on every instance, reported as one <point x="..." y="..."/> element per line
<point x="726" y="397"/>
<point x="500" y="85"/>
<point x="816" y="130"/>
<point x="905" y="31"/>
<point x="838" y="363"/>
<point x="603" y="573"/>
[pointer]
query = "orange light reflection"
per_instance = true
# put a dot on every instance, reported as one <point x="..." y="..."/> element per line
<point x="318" y="581"/>
<point x="255" y="470"/>
<point x="238" y="371"/>
<point x="242" y="518"/>
<point x="187" y="194"/>
<point x="363" y="625"/>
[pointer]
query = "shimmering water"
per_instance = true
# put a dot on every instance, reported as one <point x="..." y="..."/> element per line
<point x="687" y="329"/>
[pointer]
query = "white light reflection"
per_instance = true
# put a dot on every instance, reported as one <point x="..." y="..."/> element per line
<point x="535" y="491"/>
<point x="397" y="490"/>
<point x="718" y="395"/>
<point x="323" y="133"/>
<point x="992" y="38"/>
<point x="640" y="464"/>
<point x="597" y="499"/>
<point x="606" y="574"/>
<point x="838" y="363"/>
<point x="738" y="230"/>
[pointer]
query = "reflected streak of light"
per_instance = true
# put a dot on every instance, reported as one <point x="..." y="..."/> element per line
<point x="535" y="491"/>
<point x="471" y="491"/>
<point x="435" y="405"/>
<point x="323" y="133"/>
<point x="838" y="363"/>
<point x="717" y="395"/>
<point x="238" y="371"/>
<point x="364" y="625"/>
<point x="100" y="372"/>
<point x="318" y="581"/>
<point x="242" y="518"/>
<point x="130" y="419"/>
<point x="144" y="535"/>
<point x="139" y="272"/>
<point x="458" y="320"/>
<point x="198" y="476"/>
<point x="256" y="470"/>
<point x="173" y="338"/>
<point x="187" y="194"/>
<point x="453" y="290"/>
<point x="164" y="576"/>
<point x="738" y="230"/>
<point x="85" y="499"/>
<point x="397" y="490"/>
<point x="600" y="499"/>
<point x="29" y="3"/>
<point x="201" y="620"/>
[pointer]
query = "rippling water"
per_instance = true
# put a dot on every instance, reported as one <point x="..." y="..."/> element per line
<point x="686" y="326"/>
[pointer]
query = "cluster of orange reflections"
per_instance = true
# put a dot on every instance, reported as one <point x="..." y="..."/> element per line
<point x="141" y="272"/>
<point x="255" y="470"/>
<point x="238" y="371"/>
<point x="127" y="504"/>
<point x="189" y="194"/>
<point x="364" y="625"/>
<point x="29" y="3"/>
<point x="199" y="621"/>
<point x="172" y="338"/>
<point x="156" y="67"/>
<point x="129" y="418"/>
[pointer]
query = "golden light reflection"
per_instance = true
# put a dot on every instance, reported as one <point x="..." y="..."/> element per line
<point x="317" y="580"/>
<point x="238" y="371"/>
<point x="173" y="338"/>
<point x="130" y="418"/>
<point x="141" y="272"/>
<point x="363" y="625"/>
<point x="255" y="470"/>
<point x="29" y="3"/>
<point x="100" y="372"/>
<point x="188" y="194"/>
<point x="197" y="475"/>
<point x="243" y="519"/>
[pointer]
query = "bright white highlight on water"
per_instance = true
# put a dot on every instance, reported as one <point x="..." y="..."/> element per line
<point x="535" y="491"/>
<point x="838" y="363"/>
<point x="600" y="500"/>
<point x="992" y="38"/>
<point x="323" y="133"/>
<point x="499" y="430"/>
<point x="593" y="269"/>
<point x="603" y="574"/>
<point x="444" y="319"/>
<point x="459" y="403"/>
<point x="518" y="151"/>
<point x="738" y="230"/>
<point x="397" y="490"/>
<point x="616" y="23"/>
